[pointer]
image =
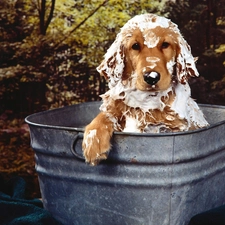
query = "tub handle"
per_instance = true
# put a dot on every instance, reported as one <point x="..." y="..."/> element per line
<point x="77" y="154"/>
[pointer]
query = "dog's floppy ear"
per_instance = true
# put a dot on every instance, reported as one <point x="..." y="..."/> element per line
<point x="185" y="62"/>
<point x="112" y="67"/>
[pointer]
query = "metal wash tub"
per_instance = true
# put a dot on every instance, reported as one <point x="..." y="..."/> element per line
<point x="149" y="179"/>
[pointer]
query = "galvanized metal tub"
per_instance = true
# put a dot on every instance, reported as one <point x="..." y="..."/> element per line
<point x="148" y="179"/>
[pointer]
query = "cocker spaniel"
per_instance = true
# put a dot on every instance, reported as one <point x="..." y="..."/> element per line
<point x="147" y="67"/>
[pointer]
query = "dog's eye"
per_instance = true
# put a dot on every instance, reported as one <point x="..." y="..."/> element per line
<point x="165" y="45"/>
<point x="136" y="46"/>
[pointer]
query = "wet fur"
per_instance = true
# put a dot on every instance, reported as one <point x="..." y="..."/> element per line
<point x="116" y="112"/>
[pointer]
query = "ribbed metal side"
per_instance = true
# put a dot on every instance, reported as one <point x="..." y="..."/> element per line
<point x="148" y="179"/>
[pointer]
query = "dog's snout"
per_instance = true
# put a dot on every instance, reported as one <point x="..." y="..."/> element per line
<point x="151" y="78"/>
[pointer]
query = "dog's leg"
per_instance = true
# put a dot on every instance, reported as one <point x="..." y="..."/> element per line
<point x="96" y="141"/>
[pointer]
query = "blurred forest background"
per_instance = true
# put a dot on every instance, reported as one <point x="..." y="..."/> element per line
<point x="49" y="50"/>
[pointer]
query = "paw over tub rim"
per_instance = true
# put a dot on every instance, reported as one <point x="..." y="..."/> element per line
<point x="121" y="135"/>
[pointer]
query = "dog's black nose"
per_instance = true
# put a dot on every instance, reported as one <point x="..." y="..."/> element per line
<point x="151" y="78"/>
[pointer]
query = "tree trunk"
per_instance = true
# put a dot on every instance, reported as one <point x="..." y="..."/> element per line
<point x="44" y="23"/>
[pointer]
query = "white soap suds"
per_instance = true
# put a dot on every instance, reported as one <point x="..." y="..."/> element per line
<point x="90" y="136"/>
<point x="131" y="125"/>
<point x="146" y="23"/>
<point x="186" y="107"/>
<point x="151" y="39"/>
<point x="153" y="74"/>
<point x="135" y="98"/>
<point x="152" y="60"/>
<point x="170" y="65"/>
<point x="186" y="61"/>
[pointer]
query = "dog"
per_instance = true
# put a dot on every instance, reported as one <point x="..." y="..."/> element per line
<point x="147" y="68"/>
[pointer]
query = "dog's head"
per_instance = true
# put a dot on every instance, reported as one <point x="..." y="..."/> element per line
<point x="150" y="50"/>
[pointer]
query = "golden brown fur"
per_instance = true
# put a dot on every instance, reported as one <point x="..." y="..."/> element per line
<point x="136" y="60"/>
<point x="137" y="57"/>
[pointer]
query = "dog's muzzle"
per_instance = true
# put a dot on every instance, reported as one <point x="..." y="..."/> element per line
<point x="151" y="78"/>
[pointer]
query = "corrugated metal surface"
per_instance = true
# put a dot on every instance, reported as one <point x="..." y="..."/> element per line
<point x="148" y="179"/>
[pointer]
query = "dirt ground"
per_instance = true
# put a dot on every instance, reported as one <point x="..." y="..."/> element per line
<point x="16" y="155"/>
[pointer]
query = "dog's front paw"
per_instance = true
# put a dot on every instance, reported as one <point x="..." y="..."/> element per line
<point x="96" y="144"/>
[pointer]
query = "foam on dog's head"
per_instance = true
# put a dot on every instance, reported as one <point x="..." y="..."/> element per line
<point x="146" y="23"/>
<point x="113" y="65"/>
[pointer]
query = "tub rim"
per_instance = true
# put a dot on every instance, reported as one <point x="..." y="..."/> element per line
<point x="81" y="130"/>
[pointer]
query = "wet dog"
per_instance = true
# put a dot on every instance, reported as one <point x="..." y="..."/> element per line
<point x="147" y="68"/>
